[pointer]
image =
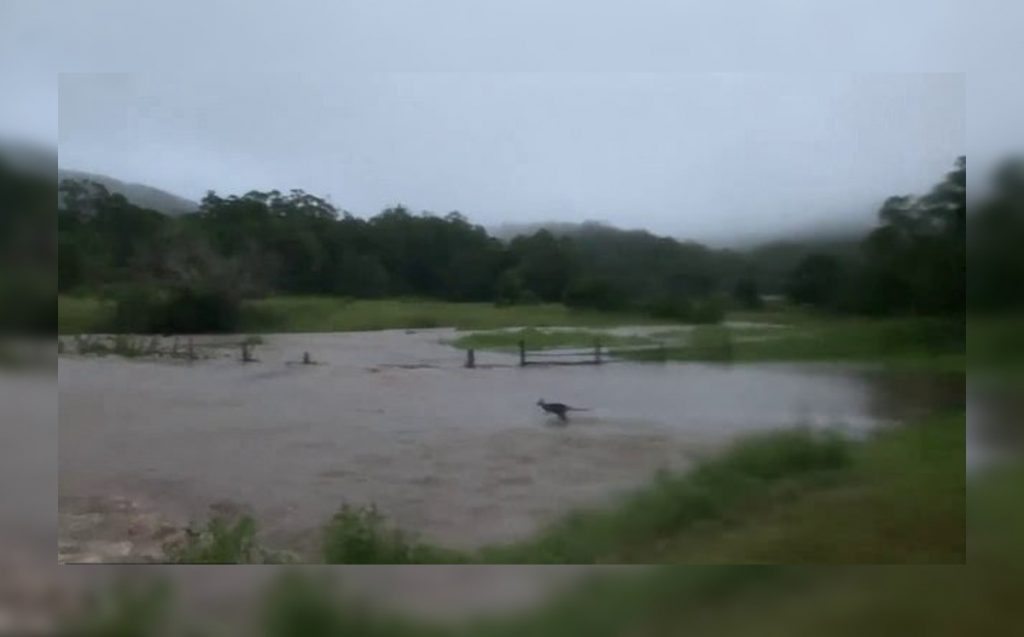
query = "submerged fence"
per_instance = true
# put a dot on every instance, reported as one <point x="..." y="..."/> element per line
<point x="713" y="347"/>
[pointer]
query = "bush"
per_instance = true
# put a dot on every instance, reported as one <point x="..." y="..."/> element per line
<point x="747" y="295"/>
<point x="682" y="309"/>
<point x="508" y="289"/>
<point x="358" y="536"/>
<point x="671" y="308"/>
<point x="598" y="294"/>
<point x="222" y="542"/>
<point x="707" y="311"/>
<point x="179" y="310"/>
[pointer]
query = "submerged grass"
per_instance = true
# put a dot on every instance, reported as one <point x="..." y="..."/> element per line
<point x="933" y="344"/>
<point x="539" y="339"/>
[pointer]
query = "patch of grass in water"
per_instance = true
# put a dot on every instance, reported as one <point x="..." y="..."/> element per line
<point x="917" y="343"/>
<point x="541" y="339"/>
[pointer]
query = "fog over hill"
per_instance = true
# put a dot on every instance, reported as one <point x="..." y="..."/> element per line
<point x="851" y="229"/>
<point x="138" y="194"/>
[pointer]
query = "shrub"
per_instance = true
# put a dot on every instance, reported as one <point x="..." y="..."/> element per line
<point x="707" y="311"/>
<point x="357" y="535"/>
<point x="222" y="542"/>
<point x="598" y="294"/>
<point x="178" y="310"/>
<point x="682" y="309"/>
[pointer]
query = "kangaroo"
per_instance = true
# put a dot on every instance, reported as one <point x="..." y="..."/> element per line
<point x="559" y="409"/>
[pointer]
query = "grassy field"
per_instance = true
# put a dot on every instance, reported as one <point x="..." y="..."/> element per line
<point x="330" y="314"/>
<point x="82" y="315"/>
<point x="790" y="497"/>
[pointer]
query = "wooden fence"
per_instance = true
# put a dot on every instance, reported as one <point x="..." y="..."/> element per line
<point x="598" y="354"/>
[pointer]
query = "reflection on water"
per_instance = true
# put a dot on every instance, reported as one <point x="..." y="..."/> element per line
<point x="460" y="457"/>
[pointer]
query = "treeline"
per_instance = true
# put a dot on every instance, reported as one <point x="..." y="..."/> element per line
<point x="190" y="272"/>
<point x="914" y="262"/>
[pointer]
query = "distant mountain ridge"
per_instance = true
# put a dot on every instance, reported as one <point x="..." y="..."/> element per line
<point x="138" y="194"/>
<point x="825" y="233"/>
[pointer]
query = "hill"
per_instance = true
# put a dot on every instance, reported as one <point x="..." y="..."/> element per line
<point x="138" y="194"/>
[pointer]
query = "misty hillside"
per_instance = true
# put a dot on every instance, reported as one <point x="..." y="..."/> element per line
<point x="509" y="231"/>
<point x="138" y="194"/>
<point x="843" y="231"/>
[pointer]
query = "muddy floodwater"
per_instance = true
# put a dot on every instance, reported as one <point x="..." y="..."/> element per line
<point x="459" y="457"/>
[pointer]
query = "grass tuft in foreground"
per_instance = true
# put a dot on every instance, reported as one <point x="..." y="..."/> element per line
<point x="223" y="541"/>
<point x="359" y="535"/>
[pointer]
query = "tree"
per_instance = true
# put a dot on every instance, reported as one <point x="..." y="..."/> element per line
<point x="816" y="281"/>
<point x="746" y="294"/>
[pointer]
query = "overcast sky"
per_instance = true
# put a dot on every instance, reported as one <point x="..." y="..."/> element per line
<point x="696" y="155"/>
<point x="805" y="130"/>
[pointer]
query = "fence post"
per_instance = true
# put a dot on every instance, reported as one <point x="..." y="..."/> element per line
<point x="191" y="349"/>
<point x="597" y="351"/>
<point x="522" y="353"/>
<point x="470" y="359"/>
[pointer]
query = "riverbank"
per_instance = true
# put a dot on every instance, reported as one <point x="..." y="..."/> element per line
<point x="788" y="497"/>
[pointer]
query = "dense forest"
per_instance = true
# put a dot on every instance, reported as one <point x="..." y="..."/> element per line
<point x="191" y="272"/>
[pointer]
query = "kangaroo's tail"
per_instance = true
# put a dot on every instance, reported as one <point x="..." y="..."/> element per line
<point x="577" y="409"/>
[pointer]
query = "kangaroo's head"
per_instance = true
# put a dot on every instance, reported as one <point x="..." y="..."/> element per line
<point x="540" y="402"/>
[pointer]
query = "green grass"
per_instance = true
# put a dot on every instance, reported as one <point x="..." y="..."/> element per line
<point x="334" y="314"/>
<point x="223" y="541"/>
<point x="633" y="531"/>
<point x="902" y="500"/>
<point x="82" y="315"/>
<point x="323" y="314"/>
<point x="359" y="535"/>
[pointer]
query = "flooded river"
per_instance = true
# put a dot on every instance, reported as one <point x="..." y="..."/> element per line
<point x="459" y="457"/>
